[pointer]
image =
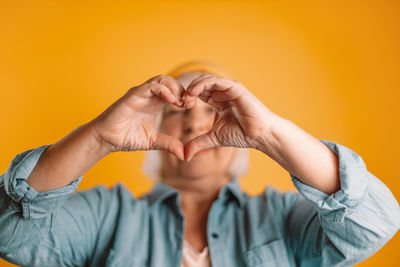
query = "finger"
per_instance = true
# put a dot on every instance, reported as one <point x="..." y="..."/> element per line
<point x="201" y="142"/>
<point x="158" y="89"/>
<point x="187" y="98"/>
<point x="213" y="99"/>
<point x="174" y="86"/>
<point x="206" y="83"/>
<point x="220" y="89"/>
<point x="201" y="77"/>
<point x="169" y="144"/>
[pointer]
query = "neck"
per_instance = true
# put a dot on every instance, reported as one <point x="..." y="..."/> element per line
<point x="200" y="192"/>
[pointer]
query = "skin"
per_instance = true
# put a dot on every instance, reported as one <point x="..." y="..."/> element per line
<point x="197" y="185"/>
<point x="185" y="125"/>
<point x="240" y="120"/>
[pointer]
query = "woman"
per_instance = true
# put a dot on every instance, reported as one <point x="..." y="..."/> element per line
<point x="196" y="215"/>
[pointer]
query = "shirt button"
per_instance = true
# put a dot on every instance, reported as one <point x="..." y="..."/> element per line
<point x="214" y="235"/>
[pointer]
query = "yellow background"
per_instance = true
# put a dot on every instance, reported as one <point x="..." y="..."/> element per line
<point x="330" y="67"/>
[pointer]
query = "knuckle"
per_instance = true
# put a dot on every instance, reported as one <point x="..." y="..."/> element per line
<point x="152" y="78"/>
<point x="152" y="83"/>
<point x="205" y="74"/>
<point x="131" y="90"/>
<point x="156" y="78"/>
<point x="210" y="79"/>
<point x="161" y="77"/>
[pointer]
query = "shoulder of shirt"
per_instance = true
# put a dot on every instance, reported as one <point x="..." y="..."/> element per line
<point x="117" y="191"/>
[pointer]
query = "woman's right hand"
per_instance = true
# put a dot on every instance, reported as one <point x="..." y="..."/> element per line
<point x="130" y="123"/>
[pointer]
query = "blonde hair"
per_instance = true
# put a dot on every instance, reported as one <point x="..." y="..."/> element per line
<point x="152" y="161"/>
<point x="199" y="66"/>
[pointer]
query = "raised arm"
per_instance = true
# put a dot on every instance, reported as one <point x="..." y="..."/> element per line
<point x="41" y="222"/>
<point x="127" y="125"/>
<point x="243" y="121"/>
<point x="68" y="159"/>
<point x="346" y="215"/>
<point x="301" y="154"/>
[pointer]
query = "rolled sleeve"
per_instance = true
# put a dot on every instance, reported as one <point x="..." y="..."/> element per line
<point x="354" y="185"/>
<point x="356" y="221"/>
<point x="25" y="198"/>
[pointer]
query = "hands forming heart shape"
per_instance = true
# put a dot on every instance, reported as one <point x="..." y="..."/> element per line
<point x="129" y="124"/>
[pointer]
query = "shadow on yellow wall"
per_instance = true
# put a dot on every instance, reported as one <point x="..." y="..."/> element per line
<point x="333" y="69"/>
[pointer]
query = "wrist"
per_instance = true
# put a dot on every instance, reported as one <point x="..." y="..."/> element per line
<point x="101" y="147"/>
<point x="268" y="139"/>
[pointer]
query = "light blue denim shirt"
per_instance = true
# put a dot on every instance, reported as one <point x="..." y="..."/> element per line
<point x="110" y="227"/>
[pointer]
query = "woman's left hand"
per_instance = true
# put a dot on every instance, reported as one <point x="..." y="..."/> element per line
<point x="241" y="120"/>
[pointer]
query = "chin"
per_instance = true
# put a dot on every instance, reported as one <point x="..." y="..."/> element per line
<point x="197" y="167"/>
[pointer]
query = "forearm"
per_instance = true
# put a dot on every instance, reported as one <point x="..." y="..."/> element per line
<point x="302" y="155"/>
<point x="68" y="159"/>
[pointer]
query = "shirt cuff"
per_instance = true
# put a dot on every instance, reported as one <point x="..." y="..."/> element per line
<point x="354" y="185"/>
<point x="25" y="198"/>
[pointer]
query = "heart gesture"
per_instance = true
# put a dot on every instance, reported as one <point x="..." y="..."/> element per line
<point x="241" y="120"/>
<point x="129" y="124"/>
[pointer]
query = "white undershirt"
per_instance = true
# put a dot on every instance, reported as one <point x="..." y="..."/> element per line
<point x="191" y="257"/>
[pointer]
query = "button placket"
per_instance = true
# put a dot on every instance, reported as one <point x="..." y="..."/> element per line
<point x="214" y="234"/>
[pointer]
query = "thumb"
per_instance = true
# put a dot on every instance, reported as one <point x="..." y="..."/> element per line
<point x="169" y="144"/>
<point x="201" y="142"/>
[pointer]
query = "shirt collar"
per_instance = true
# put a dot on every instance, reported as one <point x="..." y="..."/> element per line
<point x="162" y="192"/>
<point x="232" y="189"/>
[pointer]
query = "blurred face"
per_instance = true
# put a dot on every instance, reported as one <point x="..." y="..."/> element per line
<point x="186" y="124"/>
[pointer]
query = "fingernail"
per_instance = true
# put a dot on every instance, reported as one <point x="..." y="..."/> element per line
<point x="183" y="98"/>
